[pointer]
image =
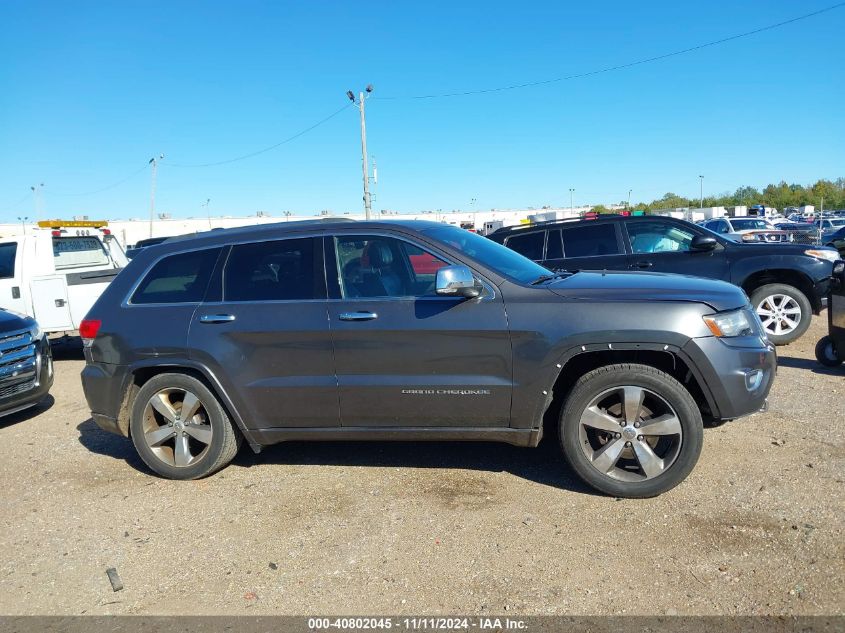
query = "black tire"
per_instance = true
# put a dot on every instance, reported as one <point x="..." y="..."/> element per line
<point x="225" y="438"/>
<point x="601" y="380"/>
<point x="827" y="354"/>
<point x="759" y="296"/>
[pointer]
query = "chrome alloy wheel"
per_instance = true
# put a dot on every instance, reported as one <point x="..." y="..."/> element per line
<point x="630" y="433"/>
<point x="176" y="427"/>
<point x="780" y="314"/>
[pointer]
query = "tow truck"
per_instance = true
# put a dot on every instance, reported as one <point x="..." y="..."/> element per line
<point x="55" y="273"/>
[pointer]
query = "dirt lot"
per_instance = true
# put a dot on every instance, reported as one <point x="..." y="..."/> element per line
<point x="430" y="528"/>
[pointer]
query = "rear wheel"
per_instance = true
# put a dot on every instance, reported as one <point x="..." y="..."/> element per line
<point x="631" y="430"/>
<point x="179" y="428"/>
<point x="784" y="311"/>
<point x="827" y="353"/>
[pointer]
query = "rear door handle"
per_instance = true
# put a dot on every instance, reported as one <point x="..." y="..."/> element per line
<point x="358" y="316"/>
<point x="643" y="264"/>
<point x="217" y="318"/>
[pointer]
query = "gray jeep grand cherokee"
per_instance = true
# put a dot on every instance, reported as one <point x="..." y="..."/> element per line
<point x="338" y="330"/>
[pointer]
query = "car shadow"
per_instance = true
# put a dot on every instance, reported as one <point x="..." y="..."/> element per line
<point x="813" y="365"/>
<point x="27" y="414"/>
<point x="67" y="348"/>
<point x="543" y="465"/>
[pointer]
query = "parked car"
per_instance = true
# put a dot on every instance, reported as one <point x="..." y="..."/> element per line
<point x="786" y="282"/>
<point x="55" y="274"/>
<point x="284" y="332"/>
<point x="26" y="363"/>
<point x="747" y="229"/>
<point x="837" y="241"/>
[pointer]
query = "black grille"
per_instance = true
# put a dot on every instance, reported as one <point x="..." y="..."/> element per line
<point x="18" y="363"/>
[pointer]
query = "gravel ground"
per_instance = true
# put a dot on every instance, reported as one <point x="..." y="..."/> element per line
<point x="427" y="528"/>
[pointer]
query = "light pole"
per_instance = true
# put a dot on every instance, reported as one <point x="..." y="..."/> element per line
<point x="154" y="163"/>
<point x="628" y="206"/>
<point x="23" y="223"/>
<point x="570" y="200"/>
<point x="368" y="205"/>
<point x="207" y="211"/>
<point x="701" y="193"/>
<point x="36" y="199"/>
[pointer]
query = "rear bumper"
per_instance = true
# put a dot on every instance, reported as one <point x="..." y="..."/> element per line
<point x="104" y="387"/>
<point x="738" y="378"/>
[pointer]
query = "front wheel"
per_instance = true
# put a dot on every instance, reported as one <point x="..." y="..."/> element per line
<point x="784" y="311"/>
<point x="827" y="353"/>
<point x="631" y="430"/>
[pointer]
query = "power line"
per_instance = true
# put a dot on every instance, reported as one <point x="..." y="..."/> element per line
<point x="267" y="149"/>
<point x="17" y="202"/>
<point x="619" y="66"/>
<point x="111" y="186"/>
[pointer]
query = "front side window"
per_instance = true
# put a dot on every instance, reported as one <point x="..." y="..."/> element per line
<point x="590" y="240"/>
<point x="658" y="237"/>
<point x="528" y="244"/>
<point x="181" y="278"/>
<point x="75" y="252"/>
<point x="377" y="266"/>
<point x="8" y="253"/>
<point x="281" y="270"/>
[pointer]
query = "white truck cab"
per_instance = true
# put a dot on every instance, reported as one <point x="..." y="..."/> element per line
<point x="56" y="272"/>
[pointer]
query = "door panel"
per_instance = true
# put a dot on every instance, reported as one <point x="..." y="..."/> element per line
<point x="268" y="339"/>
<point x="415" y="361"/>
<point x="50" y="303"/>
<point x="664" y="247"/>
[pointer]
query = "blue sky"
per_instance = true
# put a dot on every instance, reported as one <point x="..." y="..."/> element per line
<point x="90" y="91"/>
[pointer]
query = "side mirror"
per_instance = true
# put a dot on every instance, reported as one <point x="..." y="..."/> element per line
<point x="703" y="243"/>
<point x="456" y="281"/>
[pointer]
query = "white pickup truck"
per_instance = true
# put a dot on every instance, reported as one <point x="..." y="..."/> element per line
<point x="56" y="272"/>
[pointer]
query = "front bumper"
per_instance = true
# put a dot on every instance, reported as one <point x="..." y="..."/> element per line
<point x="738" y="378"/>
<point x="20" y="395"/>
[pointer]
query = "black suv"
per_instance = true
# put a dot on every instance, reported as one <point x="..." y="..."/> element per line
<point x="26" y="363"/>
<point x="414" y="331"/>
<point x="786" y="282"/>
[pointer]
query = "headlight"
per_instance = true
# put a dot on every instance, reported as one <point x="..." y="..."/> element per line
<point x="823" y="253"/>
<point x="36" y="332"/>
<point x="726" y="324"/>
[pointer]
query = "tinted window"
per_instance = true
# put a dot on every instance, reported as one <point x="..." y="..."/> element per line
<point x="658" y="237"/>
<point x="554" y="245"/>
<point x="7" y="259"/>
<point x="71" y="252"/>
<point x="180" y="278"/>
<point x="590" y="240"/>
<point x="376" y="266"/>
<point x="529" y="244"/>
<point x="282" y="270"/>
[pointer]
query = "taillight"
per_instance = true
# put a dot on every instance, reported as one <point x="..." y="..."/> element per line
<point x="88" y="331"/>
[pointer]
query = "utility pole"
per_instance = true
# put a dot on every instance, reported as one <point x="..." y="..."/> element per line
<point x="208" y="211"/>
<point x="365" y="166"/>
<point x="36" y="199"/>
<point x="154" y="163"/>
<point x="570" y="200"/>
<point x="701" y="193"/>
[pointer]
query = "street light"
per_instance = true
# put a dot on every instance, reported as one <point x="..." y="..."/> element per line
<point x="368" y="203"/>
<point x="207" y="211"/>
<point x="23" y="222"/>
<point x="628" y="206"/>
<point x="701" y="193"/>
<point x="570" y="200"/>
<point x="36" y="199"/>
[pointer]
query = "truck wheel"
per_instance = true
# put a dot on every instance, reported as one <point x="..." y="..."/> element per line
<point x="631" y="430"/>
<point x="826" y="352"/>
<point x="179" y="428"/>
<point x="784" y="311"/>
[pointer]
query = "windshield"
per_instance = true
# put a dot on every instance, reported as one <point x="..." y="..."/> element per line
<point x="745" y="225"/>
<point x="493" y="255"/>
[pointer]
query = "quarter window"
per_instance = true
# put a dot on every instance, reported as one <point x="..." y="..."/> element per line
<point x="528" y="244"/>
<point x="658" y="237"/>
<point x="281" y="270"/>
<point x="590" y="240"/>
<point x="181" y="278"/>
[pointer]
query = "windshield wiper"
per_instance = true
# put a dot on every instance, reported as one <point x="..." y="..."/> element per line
<point x="556" y="275"/>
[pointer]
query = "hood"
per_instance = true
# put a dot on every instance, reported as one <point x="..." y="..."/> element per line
<point x="636" y="286"/>
<point x="11" y="321"/>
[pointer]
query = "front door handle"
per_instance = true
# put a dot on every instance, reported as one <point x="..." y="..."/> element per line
<point x="642" y="264"/>
<point x="217" y="318"/>
<point x="358" y="316"/>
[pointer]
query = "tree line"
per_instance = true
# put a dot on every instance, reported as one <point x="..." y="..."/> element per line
<point x="779" y="196"/>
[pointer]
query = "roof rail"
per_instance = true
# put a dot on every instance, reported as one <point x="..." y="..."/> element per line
<point x="521" y="227"/>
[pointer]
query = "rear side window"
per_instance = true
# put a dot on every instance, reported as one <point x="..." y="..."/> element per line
<point x="8" y="253"/>
<point x="181" y="278"/>
<point x="528" y="244"/>
<point x="282" y="270"/>
<point x="75" y="252"/>
<point x="591" y="240"/>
